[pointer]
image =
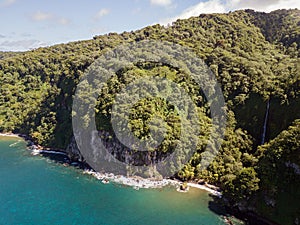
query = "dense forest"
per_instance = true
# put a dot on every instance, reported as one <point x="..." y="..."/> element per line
<point x="256" y="59"/>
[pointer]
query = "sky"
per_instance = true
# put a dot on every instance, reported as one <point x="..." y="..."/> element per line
<point x="28" y="24"/>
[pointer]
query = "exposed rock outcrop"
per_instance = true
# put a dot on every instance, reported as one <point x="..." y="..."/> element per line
<point x="124" y="154"/>
<point x="73" y="151"/>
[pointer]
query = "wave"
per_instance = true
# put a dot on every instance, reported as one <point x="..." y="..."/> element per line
<point x="36" y="151"/>
<point x="15" y="143"/>
<point x="139" y="182"/>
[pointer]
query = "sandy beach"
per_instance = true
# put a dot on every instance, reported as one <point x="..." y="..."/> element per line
<point x="206" y="188"/>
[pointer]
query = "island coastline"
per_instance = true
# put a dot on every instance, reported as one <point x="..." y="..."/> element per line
<point x="135" y="181"/>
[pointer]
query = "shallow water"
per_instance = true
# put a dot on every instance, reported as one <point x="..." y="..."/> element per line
<point x="35" y="190"/>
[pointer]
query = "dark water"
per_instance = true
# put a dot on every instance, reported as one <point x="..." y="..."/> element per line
<point x="35" y="190"/>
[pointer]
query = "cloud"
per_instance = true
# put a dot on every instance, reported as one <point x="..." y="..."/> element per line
<point x="161" y="2"/>
<point x="41" y="16"/>
<point x="21" y="45"/>
<point x="266" y="6"/>
<point x="101" y="13"/>
<point x="218" y="6"/>
<point x="212" y="6"/>
<point x="251" y="4"/>
<point x="4" y="3"/>
<point x="2" y="36"/>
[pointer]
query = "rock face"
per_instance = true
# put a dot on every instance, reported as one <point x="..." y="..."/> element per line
<point x="118" y="151"/>
<point x="125" y="154"/>
<point x="73" y="151"/>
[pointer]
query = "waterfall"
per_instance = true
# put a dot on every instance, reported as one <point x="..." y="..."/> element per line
<point x="265" y="123"/>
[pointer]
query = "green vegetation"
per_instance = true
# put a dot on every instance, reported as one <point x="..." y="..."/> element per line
<point x="279" y="170"/>
<point x="255" y="57"/>
<point x="4" y="55"/>
<point x="280" y="27"/>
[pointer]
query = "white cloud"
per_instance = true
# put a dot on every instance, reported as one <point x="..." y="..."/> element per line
<point x="212" y="6"/>
<point x="21" y="45"/>
<point x="101" y="13"/>
<point x="259" y="5"/>
<point x="7" y="2"/>
<point x="161" y="2"/>
<point x="218" y="6"/>
<point x="40" y="16"/>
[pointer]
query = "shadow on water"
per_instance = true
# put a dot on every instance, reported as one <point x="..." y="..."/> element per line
<point x="65" y="160"/>
<point x="56" y="157"/>
<point x="216" y="205"/>
<point x="233" y="216"/>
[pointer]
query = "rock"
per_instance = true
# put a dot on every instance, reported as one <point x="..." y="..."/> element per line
<point x="184" y="186"/>
<point x="73" y="151"/>
<point x="201" y="182"/>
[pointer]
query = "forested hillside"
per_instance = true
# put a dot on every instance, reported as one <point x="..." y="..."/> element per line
<point x="256" y="59"/>
<point x="279" y="171"/>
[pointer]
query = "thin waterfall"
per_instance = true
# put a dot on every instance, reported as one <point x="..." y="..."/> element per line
<point x="265" y="123"/>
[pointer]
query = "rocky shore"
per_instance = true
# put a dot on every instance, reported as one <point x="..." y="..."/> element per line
<point x="74" y="159"/>
<point x="139" y="182"/>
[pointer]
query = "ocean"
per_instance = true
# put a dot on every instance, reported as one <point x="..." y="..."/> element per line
<point x="37" y="190"/>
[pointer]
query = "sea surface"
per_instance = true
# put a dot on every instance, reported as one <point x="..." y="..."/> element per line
<point x="36" y="190"/>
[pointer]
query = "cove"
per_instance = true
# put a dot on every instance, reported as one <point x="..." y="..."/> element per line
<point x="36" y="190"/>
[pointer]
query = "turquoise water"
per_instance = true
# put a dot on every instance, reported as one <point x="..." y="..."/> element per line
<point x="35" y="190"/>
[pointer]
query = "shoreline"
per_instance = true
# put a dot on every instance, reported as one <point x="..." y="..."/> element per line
<point x="135" y="182"/>
<point x="10" y="135"/>
<point x="139" y="182"/>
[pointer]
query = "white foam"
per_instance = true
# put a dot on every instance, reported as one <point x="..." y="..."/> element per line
<point x="52" y="152"/>
<point x="138" y="182"/>
<point x="9" y="135"/>
<point x="13" y="144"/>
<point x="35" y="151"/>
